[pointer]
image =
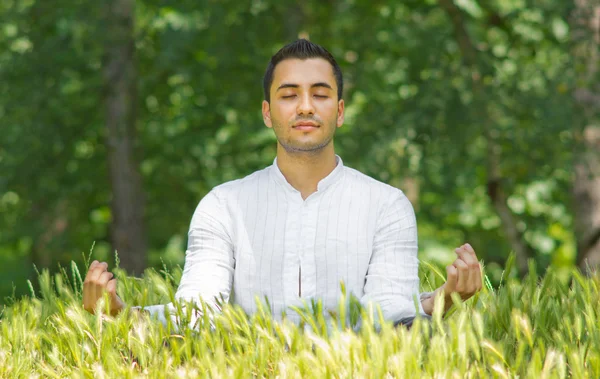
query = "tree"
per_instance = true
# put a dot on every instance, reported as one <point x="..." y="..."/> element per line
<point x="495" y="187"/>
<point x="585" y="23"/>
<point x="473" y="119"/>
<point x="127" y="229"/>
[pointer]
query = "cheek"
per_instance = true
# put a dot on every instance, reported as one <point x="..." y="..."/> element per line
<point x="277" y="119"/>
<point x="283" y="113"/>
<point x="328" y="111"/>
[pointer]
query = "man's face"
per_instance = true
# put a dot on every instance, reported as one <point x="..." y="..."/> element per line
<point x="304" y="111"/>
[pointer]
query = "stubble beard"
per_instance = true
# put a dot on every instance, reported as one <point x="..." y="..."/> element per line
<point x="294" y="147"/>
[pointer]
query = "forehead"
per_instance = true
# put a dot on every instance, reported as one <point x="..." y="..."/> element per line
<point x="303" y="72"/>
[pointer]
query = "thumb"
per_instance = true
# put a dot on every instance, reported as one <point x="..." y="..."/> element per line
<point x="111" y="288"/>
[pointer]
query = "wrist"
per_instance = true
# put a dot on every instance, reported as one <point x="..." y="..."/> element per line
<point x="428" y="301"/>
<point x="427" y="304"/>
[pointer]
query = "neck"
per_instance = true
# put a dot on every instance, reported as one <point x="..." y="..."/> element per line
<point x="304" y="170"/>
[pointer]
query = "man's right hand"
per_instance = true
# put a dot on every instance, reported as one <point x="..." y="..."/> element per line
<point x="97" y="281"/>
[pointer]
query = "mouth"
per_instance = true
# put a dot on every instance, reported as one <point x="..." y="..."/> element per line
<point x="305" y="125"/>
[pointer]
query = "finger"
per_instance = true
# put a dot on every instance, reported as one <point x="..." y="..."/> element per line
<point x="101" y="268"/>
<point x="475" y="275"/>
<point x="116" y="302"/>
<point x="94" y="277"/>
<point x="101" y="284"/>
<point x="473" y="281"/>
<point x="91" y="269"/>
<point x="466" y="256"/>
<point x="91" y="284"/>
<point x="100" y="287"/>
<point x="89" y="288"/>
<point x="89" y="296"/>
<point x="478" y="268"/>
<point x="463" y="275"/>
<point x="469" y="249"/>
<point x="111" y="287"/>
<point x="103" y="280"/>
<point x="478" y="277"/>
<point x="451" y="280"/>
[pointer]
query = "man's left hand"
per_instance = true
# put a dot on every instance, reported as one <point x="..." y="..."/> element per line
<point x="463" y="277"/>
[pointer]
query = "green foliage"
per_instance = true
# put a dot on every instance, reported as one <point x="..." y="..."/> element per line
<point x="413" y="118"/>
<point x="541" y="327"/>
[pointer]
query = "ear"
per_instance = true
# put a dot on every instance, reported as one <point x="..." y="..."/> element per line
<point x="340" y="118"/>
<point x="266" y="112"/>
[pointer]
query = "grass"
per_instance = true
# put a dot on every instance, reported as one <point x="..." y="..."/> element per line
<point x="537" y="328"/>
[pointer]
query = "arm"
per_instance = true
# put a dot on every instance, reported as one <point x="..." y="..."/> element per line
<point x="392" y="279"/>
<point x="209" y="260"/>
<point x="208" y="269"/>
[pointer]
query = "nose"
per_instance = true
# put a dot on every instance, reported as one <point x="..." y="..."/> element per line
<point x="305" y="106"/>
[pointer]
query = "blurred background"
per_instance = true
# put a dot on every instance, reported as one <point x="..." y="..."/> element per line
<point x="118" y="116"/>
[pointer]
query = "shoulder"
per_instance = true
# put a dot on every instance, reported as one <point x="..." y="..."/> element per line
<point x="222" y="198"/>
<point x="230" y="196"/>
<point x="361" y="182"/>
<point x="231" y="188"/>
<point x="383" y="198"/>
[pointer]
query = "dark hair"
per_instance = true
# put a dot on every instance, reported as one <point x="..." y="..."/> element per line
<point x="301" y="49"/>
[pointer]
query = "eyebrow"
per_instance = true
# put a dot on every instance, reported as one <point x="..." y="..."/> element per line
<point x="291" y="85"/>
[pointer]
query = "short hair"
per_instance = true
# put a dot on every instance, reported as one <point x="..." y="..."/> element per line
<point x="301" y="49"/>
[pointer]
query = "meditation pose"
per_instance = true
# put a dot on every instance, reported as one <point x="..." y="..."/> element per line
<point x="296" y="229"/>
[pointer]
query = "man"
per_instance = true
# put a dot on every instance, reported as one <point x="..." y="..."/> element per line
<point x="294" y="230"/>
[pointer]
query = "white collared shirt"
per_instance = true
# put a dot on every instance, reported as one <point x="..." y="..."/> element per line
<point x="257" y="237"/>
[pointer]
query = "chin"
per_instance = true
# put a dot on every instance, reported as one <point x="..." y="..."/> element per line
<point x="304" y="148"/>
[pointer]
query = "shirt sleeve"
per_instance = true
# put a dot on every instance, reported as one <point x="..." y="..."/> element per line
<point x="209" y="260"/>
<point x="392" y="280"/>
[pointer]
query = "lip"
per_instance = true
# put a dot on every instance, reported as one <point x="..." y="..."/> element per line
<point x="306" y="126"/>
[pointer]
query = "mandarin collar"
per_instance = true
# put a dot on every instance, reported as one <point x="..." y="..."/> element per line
<point x="333" y="177"/>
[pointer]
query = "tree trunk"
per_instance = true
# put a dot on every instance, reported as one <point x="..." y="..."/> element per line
<point x="127" y="229"/>
<point x="586" y="193"/>
<point x="585" y="24"/>
<point x="496" y="193"/>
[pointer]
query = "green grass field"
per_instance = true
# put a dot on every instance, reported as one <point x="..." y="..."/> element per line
<point x="537" y="328"/>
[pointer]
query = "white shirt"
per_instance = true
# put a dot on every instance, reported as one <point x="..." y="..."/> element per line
<point x="258" y="237"/>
